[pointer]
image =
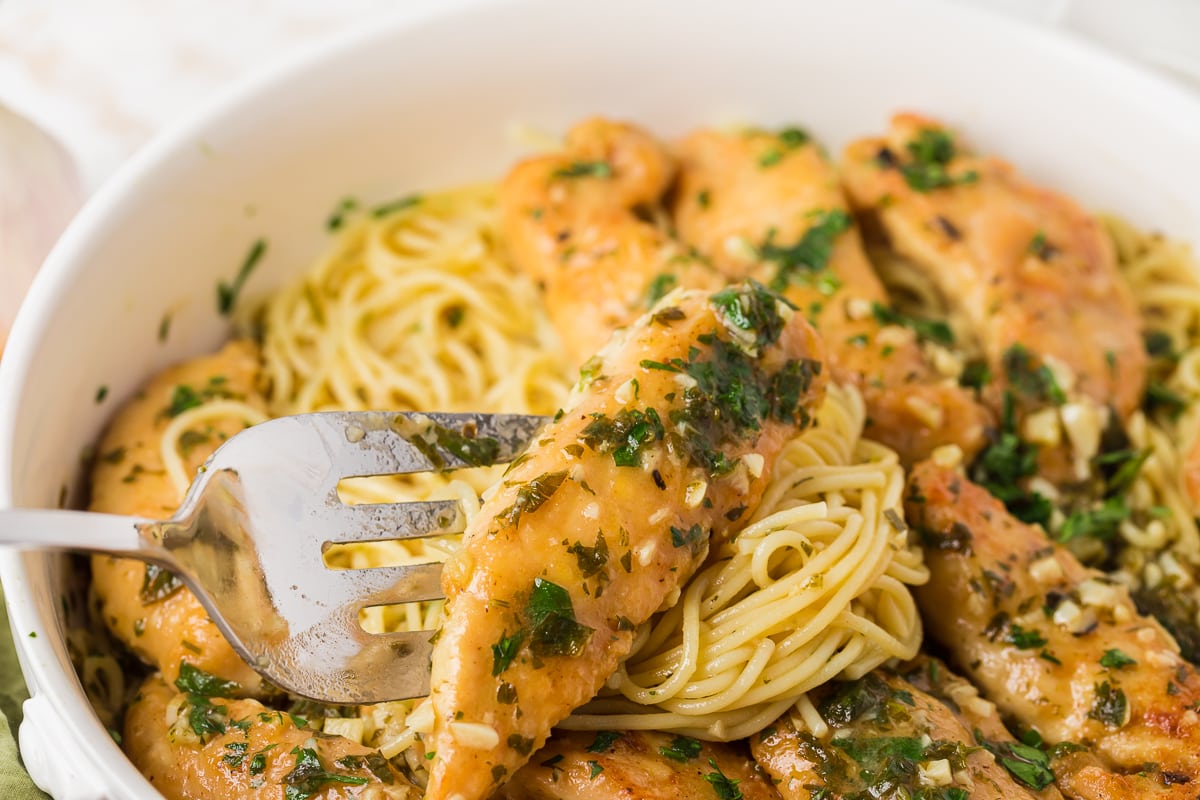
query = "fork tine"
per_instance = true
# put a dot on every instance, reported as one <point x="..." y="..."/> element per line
<point x="378" y="586"/>
<point x="391" y="443"/>
<point x="391" y="521"/>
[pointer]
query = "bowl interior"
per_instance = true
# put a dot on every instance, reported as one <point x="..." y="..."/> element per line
<point x="430" y="100"/>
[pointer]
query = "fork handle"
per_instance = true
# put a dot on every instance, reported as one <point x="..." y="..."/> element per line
<point x="39" y="528"/>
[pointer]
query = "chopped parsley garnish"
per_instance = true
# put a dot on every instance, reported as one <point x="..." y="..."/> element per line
<point x="1115" y="659"/>
<point x="1028" y="764"/>
<point x="392" y="206"/>
<point x="1040" y="248"/>
<point x="185" y="397"/>
<point x="658" y="288"/>
<point x="752" y="310"/>
<point x="101" y="394"/>
<point x="1121" y="468"/>
<point x="931" y="153"/>
<point x="626" y="434"/>
<point x="1038" y="382"/>
<point x="770" y="158"/>
<point x="1098" y="523"/>
<point x="590" y="559"/>
<point x="194" y="680"/>
<point x="1159" y="344"/>
<point x="309" y="776"/>
<point x="793" y="137"/>
<point x="521" y="744"/>
<point x="1004" y="463"/>
<point x="204" y="718"/>
<point x="374" y="762"/>
<point x="692" y="537"/>
<point x="227" y="292"/>
<point x="930" y="330"/>
<point x="258" y="762"/>
<point x="1024" y="639"/>
<point x="1110" y="706"/>
<point x="531" y="497"/>
<point x="594" y="769"/>
<point x="236" y="754"/>
<point x="868" y="699"/>
<point x="725" y="788"/>
<point x="474" y="451"/>
<point x="975" y="375"/>
<point x="603" y="741"/>
<point x="810" y="255"/>
<point x="158" y="584"/>
<point x="584" y="169"/>
<point x="1161" y="399"/>
<point x="337" y="217"/>
<point x="505" y="650"/>
<point x="553" y="630"/>
<point x="506" y="693"/>
<point x="682" y="749"/>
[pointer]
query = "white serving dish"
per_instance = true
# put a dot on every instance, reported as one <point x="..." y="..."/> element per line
<point x="427" y="100"/>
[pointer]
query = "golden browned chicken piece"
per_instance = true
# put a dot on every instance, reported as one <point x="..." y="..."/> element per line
<point x="1031" y="274"/>
<point x="192" y="746"/>
<point x="669" y="439"/>
<point x="1058" y="647"/>
<point x="577" y="222"/>
<point x="882" y="736"/>
<point x="636" y="764"/>
<point x="771" y="206"/>
<point x="146" y="608"/>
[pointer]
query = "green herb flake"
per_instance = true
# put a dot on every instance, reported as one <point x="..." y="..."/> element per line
<point x="1024" y="639"/>
<point x="594" y="769"/>
<point x="530" y="497"/>
<point x="603" y="742"/>
<point x="309" y="776"/>
<point x="553" y="628"/>
<point x="770" y="158"/>
<point x="682" y="749"/>
<point x="935" y="331"/>
<point x="521" y="744"/>
<point x="194" y="680"/>
<point x="1101" y="523"/>
<point x="337" y="217"/>
<point x="808" y="257"/>
<point x="505" y="650"/>
<point x="235" y="755"/>
<point x="793" y="137"/>
<point x="584" y="169"/>
<point x="725" y="788"/>
<point x="1037" y="382"/>
<point x="227" y="292"/>
<point x="205" y="718"/>
<point x="626" y="435"/>
<point x="1115" y="659"/>
<point x="693" y="537"/>
<point x="1160" y="399"/>
<point x="975" y="375"/>
<point x="1110" y="706"/>
<point x="658" y="288"/>
<point x="101" y="394"/>
<point x="590" y="559"/>
<point x="158" y="584"/>
<point x="931" y="153"/>
<point x="393" y="206"/>
<point x="1040" y="248"/>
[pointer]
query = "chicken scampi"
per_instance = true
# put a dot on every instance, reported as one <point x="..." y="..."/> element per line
<point x="711" y="289"/>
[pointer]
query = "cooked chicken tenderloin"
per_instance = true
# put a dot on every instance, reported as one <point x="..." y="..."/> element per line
<point x="668" y="440"/>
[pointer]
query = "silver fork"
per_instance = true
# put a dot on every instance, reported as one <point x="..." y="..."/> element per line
<point x="250" y="536"/>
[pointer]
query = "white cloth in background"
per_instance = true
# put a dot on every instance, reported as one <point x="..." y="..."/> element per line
<point x="104" y="75"/>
